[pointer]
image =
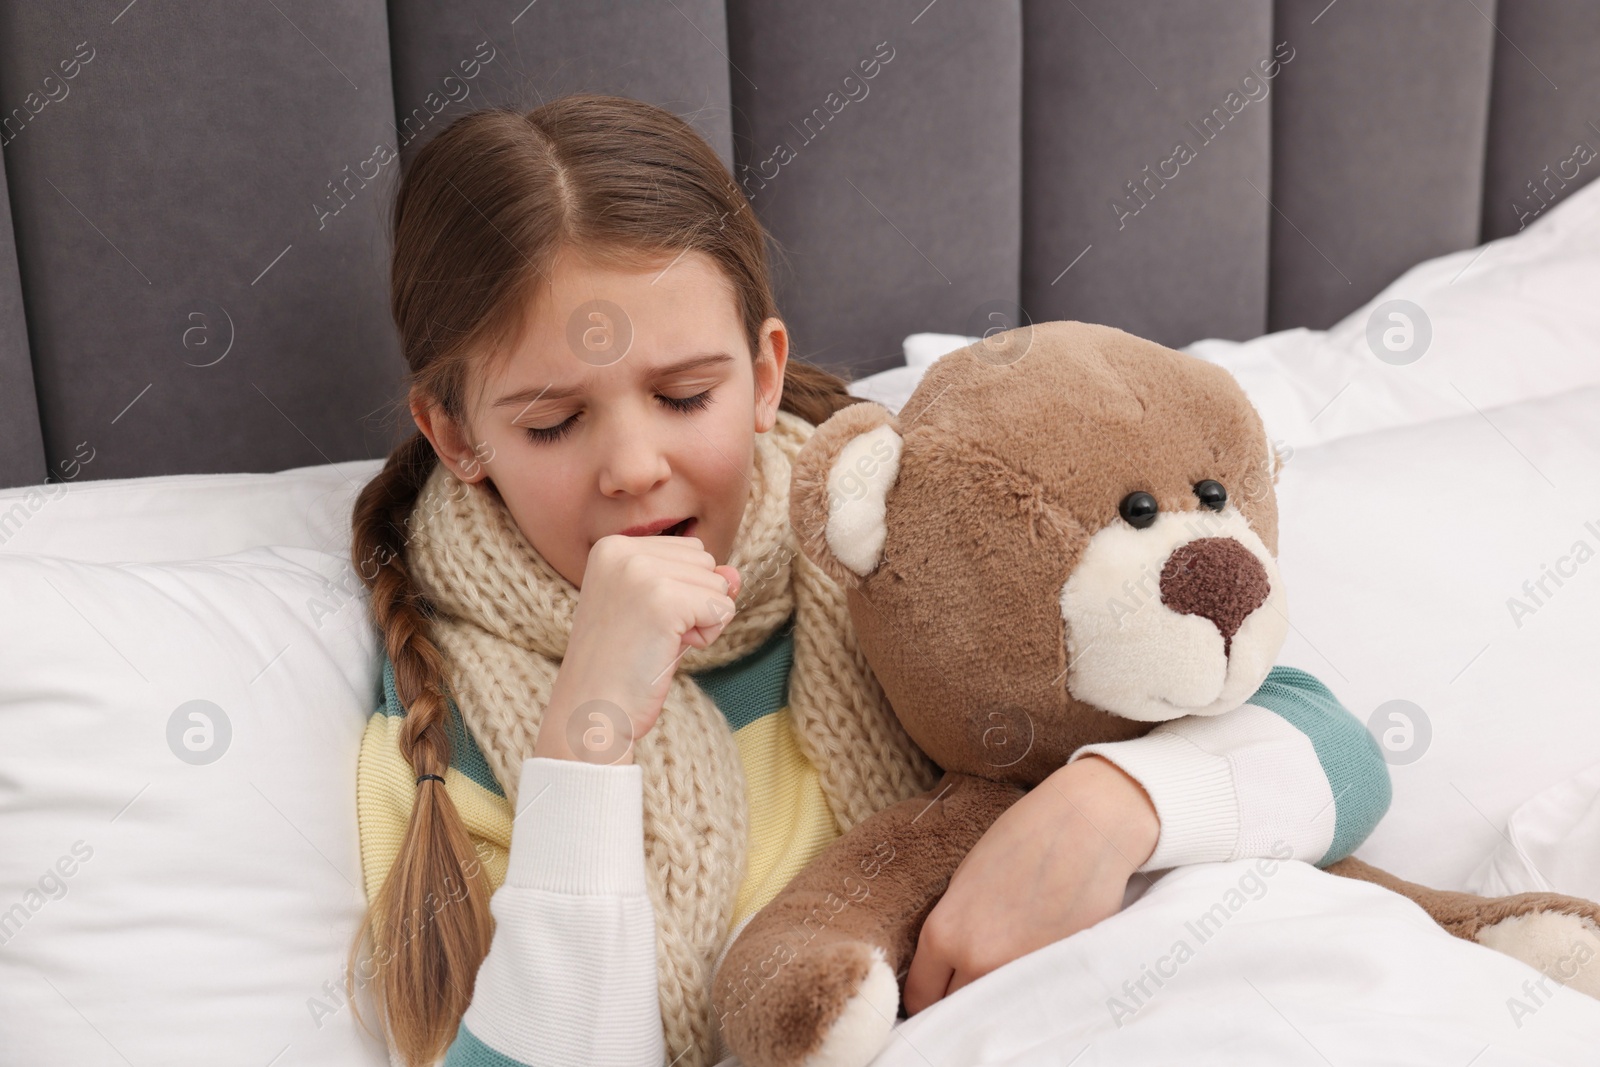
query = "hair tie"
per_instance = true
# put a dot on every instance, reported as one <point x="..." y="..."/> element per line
<point x="435" y="777"/>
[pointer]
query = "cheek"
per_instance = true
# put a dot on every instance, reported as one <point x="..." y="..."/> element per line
<point x="726" y="473"/>
<point x="720" y="469"/>
<point x="545" y="500"/>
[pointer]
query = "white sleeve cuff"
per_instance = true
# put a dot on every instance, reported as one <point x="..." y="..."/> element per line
<point x="579" y="828"/>
<point x="1244" y="783"/>
<point x="1193" y="793"/>
<point x="571" y="975"/>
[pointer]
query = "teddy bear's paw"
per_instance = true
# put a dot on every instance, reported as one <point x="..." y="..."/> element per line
<point x="1563" y="945"/>
<point x="860" y="1030"/>
<point x="828" y="1005"/>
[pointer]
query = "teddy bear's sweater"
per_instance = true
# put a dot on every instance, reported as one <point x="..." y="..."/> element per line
<point x="571" y="974"/>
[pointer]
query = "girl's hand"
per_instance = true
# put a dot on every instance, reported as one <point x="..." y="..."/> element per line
<point x="1056" y="862"/>
<point x="645" y="601"/>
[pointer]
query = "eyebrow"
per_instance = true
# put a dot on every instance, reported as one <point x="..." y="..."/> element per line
<point x="528" y="396"/>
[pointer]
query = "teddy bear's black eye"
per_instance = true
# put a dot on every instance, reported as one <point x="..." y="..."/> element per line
<point x="1211" y="494"/>
<point x="1138" y="509"/>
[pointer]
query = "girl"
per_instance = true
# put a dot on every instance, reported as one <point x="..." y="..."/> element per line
<point x="601" y="751"/>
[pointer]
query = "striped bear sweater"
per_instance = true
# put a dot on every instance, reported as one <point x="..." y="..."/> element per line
<point x="570" y="978"/>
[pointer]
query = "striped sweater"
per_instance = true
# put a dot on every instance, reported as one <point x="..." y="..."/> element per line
<point x="574" y="930"/>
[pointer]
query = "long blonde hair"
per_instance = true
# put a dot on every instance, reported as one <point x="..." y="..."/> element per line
<point x="478" y="218"/>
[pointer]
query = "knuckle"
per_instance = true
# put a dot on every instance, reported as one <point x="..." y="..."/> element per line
<point x="635" y="568"/>
<point x="945" y="940"/>
<point x="659" y="597"/>
<point x="606" y="549"/>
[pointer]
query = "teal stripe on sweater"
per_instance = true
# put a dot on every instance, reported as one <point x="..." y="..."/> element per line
<point x="745" y="690"/>
<point x="465" y="755"/>
<point x="756" y="685"/>
<point x="1350" y="757"/>
<point x="468" y="1051"/>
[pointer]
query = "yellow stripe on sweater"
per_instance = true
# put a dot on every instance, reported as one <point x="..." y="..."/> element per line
<point x="790" y="821"/>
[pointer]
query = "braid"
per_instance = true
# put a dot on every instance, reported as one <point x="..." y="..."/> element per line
<point x="425" y="956"/>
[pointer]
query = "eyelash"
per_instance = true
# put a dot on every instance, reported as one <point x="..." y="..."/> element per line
<point x="686" y="404"/>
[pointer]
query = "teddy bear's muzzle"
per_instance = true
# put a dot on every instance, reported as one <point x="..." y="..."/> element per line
<point x="1216" y="578"/>
<point x="1182" y="616"/>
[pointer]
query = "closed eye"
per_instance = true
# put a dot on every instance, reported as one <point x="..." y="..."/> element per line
<point x="546" y="434"/>
<point x="687" y="403"/>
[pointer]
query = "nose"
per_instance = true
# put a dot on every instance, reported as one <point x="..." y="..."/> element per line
<point x="1216" y="578"/>
<point x="635" y="464"/>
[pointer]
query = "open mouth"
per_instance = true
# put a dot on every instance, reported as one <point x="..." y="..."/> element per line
<point x="678" y="530"/>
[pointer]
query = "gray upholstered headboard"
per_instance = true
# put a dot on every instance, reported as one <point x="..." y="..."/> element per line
<point x="193" y="264"/>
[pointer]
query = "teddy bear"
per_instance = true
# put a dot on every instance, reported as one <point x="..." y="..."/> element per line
<point x="977" y="536"/>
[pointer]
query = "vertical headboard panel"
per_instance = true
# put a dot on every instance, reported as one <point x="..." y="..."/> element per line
<point x="1544" y="120"/>
<point x="21" y="440"/>
<point x="880" y="143"/>
<point x="454" y="56"/>
<point x="202" y="270"/>
<point x="1142" y="141"/>
<point x="1377" y="163"/>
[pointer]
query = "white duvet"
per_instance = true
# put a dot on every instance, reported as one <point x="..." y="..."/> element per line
<point x="1293" y="966"/>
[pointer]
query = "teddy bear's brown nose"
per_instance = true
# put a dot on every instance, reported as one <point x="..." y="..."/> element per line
<point x="1216" y="578"/>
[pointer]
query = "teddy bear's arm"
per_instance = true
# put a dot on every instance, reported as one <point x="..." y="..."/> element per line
<point x="1291" y="767"/>
<point x="816" y="975"/>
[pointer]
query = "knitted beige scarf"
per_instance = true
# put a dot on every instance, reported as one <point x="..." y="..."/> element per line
<point x="503" y="620"/>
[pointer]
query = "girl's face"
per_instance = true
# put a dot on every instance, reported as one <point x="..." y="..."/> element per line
<point x="630" y="399"/>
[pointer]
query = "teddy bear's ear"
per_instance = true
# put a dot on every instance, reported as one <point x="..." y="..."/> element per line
<point x="838" y="490"/>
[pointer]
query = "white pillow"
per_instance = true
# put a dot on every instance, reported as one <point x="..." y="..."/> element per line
<point x="1512" y="320"/>
<point x="182" y="516"/>
<point x="175" y="889"/>
<point x="1407" y="555"/>
<point x="1552" y="843"/>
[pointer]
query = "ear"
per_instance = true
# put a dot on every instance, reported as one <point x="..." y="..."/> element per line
<point x="839" y="487"/>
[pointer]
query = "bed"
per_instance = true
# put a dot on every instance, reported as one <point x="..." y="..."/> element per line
<point x="1390" y="241"/>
